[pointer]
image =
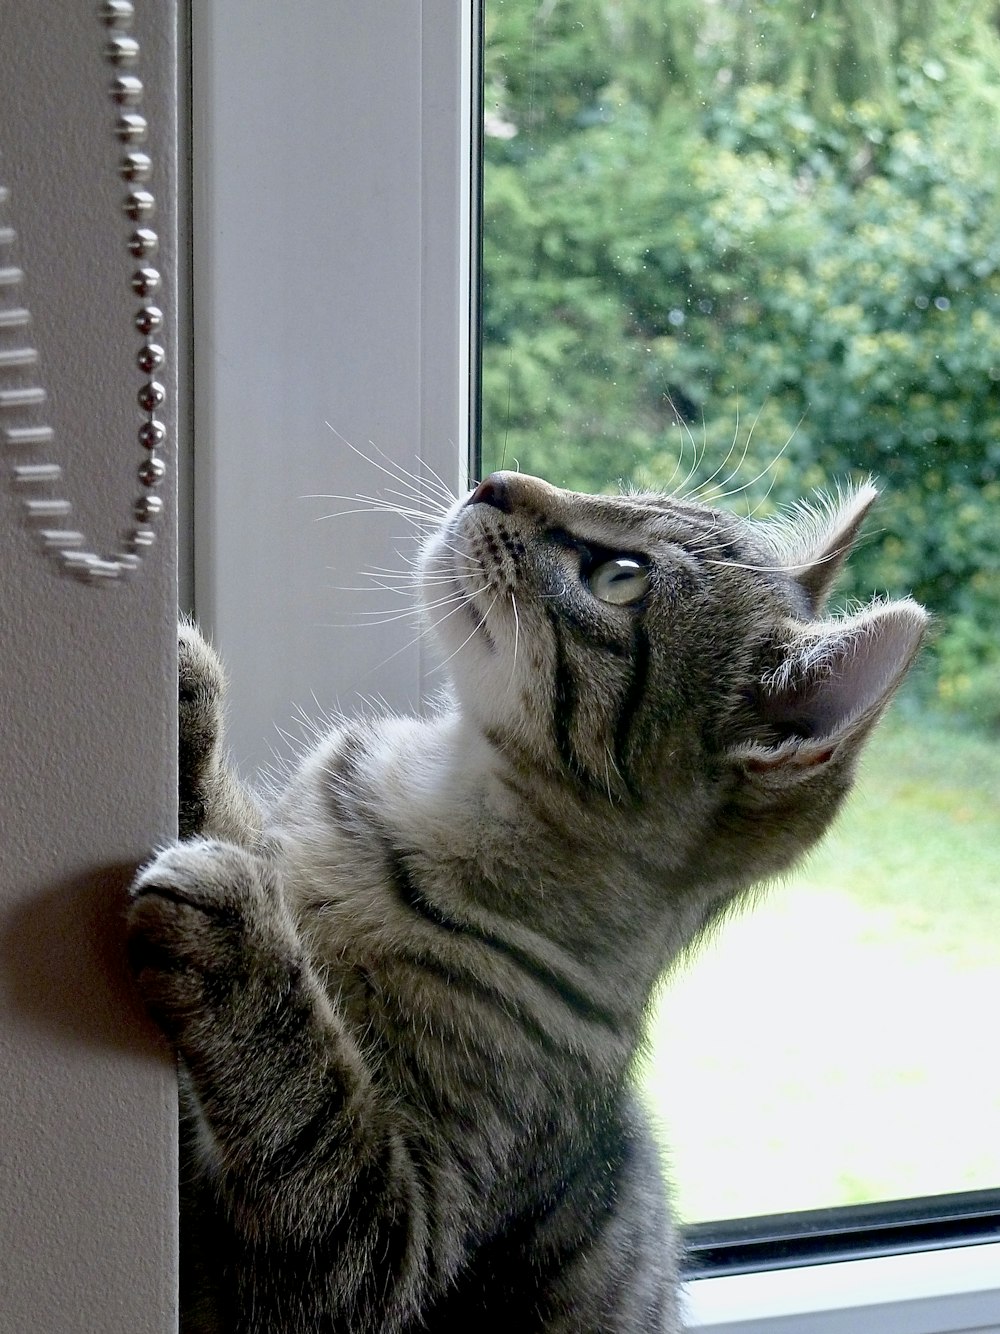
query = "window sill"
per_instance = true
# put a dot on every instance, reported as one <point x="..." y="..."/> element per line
<point x="954" y="1291"/>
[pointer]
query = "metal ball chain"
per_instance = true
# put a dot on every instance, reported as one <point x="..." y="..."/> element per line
<point x="50" y="513"/>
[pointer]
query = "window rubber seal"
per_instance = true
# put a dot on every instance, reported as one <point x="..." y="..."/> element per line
<point x="852" y="1232"/>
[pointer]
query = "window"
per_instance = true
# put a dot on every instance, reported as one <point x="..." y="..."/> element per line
<point x="331" y="281"/>
<point x="753" y="250"/>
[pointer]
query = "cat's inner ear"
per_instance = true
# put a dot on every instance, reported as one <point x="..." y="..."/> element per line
<point x="814" y="542"/>
<point x="830" y="690"/>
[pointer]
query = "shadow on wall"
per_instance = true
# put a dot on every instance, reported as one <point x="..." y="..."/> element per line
<point x="64" y="970"/>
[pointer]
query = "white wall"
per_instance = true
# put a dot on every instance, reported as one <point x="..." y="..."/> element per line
<point x="87" y="691"/>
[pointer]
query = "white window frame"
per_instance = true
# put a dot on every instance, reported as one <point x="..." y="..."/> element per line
<point x="950" y="1291"/>
<point x="333" y="280"/>
<point x="332" y="284"/>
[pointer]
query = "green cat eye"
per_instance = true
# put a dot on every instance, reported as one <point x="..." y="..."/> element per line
<point x="621" y="580"/>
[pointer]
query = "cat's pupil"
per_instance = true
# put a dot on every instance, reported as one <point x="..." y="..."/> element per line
<point x="623" y="580"/>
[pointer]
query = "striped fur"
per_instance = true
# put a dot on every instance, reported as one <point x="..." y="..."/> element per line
<point x="408" y="995"/>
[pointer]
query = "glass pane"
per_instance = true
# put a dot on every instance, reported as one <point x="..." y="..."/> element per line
<point x="750" y="250"/>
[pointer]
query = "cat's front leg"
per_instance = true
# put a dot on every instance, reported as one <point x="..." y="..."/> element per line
<point x="313" y="1174"/>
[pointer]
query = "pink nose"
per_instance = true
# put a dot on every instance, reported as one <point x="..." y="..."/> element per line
<point x="493" y="490"/>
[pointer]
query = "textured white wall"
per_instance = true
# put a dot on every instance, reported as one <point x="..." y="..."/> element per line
<point x="87" y="691"/>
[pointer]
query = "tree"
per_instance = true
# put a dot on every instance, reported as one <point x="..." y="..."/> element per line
<point x="719" y="225"/>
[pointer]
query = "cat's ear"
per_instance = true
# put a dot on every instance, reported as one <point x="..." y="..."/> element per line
<point x="838" y="677"/>
<point x="813" y="543"/>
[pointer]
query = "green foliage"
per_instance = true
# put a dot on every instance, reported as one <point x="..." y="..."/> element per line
<point x="713" y="247"/>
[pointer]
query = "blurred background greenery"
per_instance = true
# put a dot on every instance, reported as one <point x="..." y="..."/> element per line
<point x="749" y="250"/>
<point x="760" y="240"/>
<point x="834" y="1046"/>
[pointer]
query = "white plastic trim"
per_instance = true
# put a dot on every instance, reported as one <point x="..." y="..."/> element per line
<point x="954" y="1291"/>
<point x="332" y="183"/>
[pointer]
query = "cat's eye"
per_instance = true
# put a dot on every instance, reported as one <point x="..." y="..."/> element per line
<point x="623" y="580"/>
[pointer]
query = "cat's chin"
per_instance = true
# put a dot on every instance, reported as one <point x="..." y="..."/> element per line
<point x="457" y="624"/>
<point x="464" y="600"/>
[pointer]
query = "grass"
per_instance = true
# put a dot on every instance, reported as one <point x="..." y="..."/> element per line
<point x="836" y="1045"/>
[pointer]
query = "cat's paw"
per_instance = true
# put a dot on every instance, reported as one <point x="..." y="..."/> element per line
<point x="201" y="690"/>
<point x="211" y="798"/>
<point x="204" y="927"/>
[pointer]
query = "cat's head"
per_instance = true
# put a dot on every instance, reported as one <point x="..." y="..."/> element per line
<point x="653" y="654"/>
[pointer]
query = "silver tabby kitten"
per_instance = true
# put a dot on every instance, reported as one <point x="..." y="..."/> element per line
<point x="408" y="996"/>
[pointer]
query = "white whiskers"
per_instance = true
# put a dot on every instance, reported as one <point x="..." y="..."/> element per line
<point x="706" y="493"/>
<point x="472" y="633"/>
<point x="416" y="485"/>
<point x="420" y="500"/>
<point x="723" y="484"/>
<point x="517" y="640"/>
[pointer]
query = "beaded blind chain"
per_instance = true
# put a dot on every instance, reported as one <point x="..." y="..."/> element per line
<point x="21" y="402"/>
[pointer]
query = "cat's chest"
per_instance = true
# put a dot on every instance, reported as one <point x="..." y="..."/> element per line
<point x="451" y="1057"/>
